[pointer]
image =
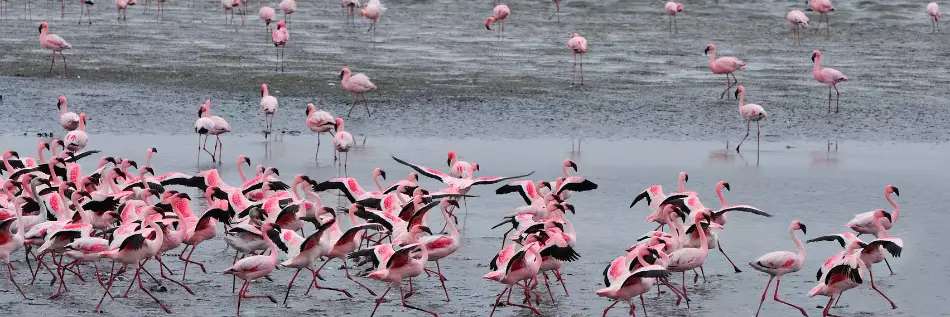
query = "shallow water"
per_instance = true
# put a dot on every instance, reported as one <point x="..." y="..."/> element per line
<point x="798" y="181"/>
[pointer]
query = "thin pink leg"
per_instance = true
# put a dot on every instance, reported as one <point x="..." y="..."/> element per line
<point x="775" y="297"/>
<point x="380" y="299"/>
<point x="609" y="307"/>
<point x="348" y="276"/>
<point x="138" y="277"/>
<point x="403" y="298"/>
<point x="893" y="306"/>
<point x="10" y="270"/>
<point x="545" y="274"/>
<point x="497" y="299"/>
<point x="441" y="279"/>
<point x="557" y="273"/>
<point x="763" y="295"/>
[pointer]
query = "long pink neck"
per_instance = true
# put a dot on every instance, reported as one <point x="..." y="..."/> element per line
<point x="798" y="243"/>
<point x="41" y="154"/>
<point x="741" y="99"/>
<point x="241" y="172"/>
<point x="817" y="66"/>
<point x="722" y="200"/>
<point x="703" y="245"/>
<point x="681" y="185"/>
<point x="881" y="232"/>
<point x="52" y="174"/>
<point x="111" y="181"/>
<point x="566" y="173"/>
<point x="6" y="163"/>
<point x="897" y="210"/>
<point x="378" y="185"/>
<point x="712" y="57"/>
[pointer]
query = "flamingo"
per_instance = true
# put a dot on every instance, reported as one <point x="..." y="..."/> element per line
<point x="255" y="267"/>
<point x="280" y="36"/>
<point x="865" y="223"/>
<point x="671" y="9"/>
<point x="828" y="76"/>
<point x="202" y="230"/>
<point x="499" y="14"/>
<point x="846" y="272"/>
<point x="268" y="102"/>
<point x="122" y="7"/>
<point x="456" y="167"/>
<point x="55" y="44"/>
<point x="724" y="65"/>
<point x="799" y="21"/>
<point x="557" y="11"/>
<point x="623" y="282"/>
<point x="319" y="121"/>
<point x="67" y="119"/>
<point x="685" y="259"/>
<point x="133" y="249"/>
<point x="511" y="268"/>
<point x="655" y="197"/>
<point x="342" y="141"/>
<point x="220" y="126"/>
<point x="267" y="15"/>
<point x="303" y="252"/>
<point x="10" y="242"/>
<point x="351" y="5"/>
<point x="228" y="6"/>
<point x="441" y="246"/>
<point x="934" y="12"/>
<point x="373" y="10"/>
<point x="357" y="85"/>
<point x="348" y="242"/>
<point x="822" y="7"/>
<point x="76" y="140"/>
<point x="407" y="262"/>
<point x="288" y="7"/>
<point x="779" y="263"/>
<point x="578" y="45"/>
<point x="750" y="112"/>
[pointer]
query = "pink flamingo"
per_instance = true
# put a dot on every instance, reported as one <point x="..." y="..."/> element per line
<point x="779" y="263"/>
<point x="750" y="112"/>
<point x="578" y="45"/>
<point x="228" y="6"/>
<point x="132" y="250"/>
<point x="76" y="140"/>
<point x="303" y="252"/>
<point x="357" y="85"/>
<point x="407" y="262"/>
<point x="348" y="242"/>
<point x="203" y="126"/>
<point x="671" y="9"/>
<point x="373" y="10"/>
<point x="724" y="65"/>
<point x="280" y="36"/>
<point x="864" y="223"/>
<point x="342" y="141"/>
<point x="268" y="103"/>
<point x="319" y="121"/>
<point x="288" y="7"/>
<point x="10" y="242"/>
<point x="934" y="12"/>
<point x="828" y="76"/>
<point x="799" y="21"/>
<point x="685" y="259"/>
<point x="55" y="44"/>
<point x="267" y="15"/>
<point x="822" y="7"/>
<point x="121" y="7"/>
<point x="512" y="269"/>
<point x="557" y="11"/>
<point x="67" y="119"/>
<point x="499" y="14"/>
<point x="624" y="281"/>
<point x="846" y="273"/>
<point x="206" y="228"/>
<point x="255" y="267"/>
<point x="441" y="246"/>
<point x="351" y="5"/>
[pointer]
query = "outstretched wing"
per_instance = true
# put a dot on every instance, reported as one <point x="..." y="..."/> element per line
<point x="743" y="208"/>
<point x="576" y="184"/>
<point x="428" y="172"/>
<point x="350" y="189"/>
<point x="835" y="237"/>
<point x="894" y="246"/>
<point x="486" y="180"/>
<point x="526" y="188"/>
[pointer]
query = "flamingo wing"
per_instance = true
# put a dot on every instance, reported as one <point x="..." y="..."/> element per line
<point x="362" y="82"/>
<point x="502" y="258"/>
<point x="351" y="233"/>
<point x="743" y="208"/>
<point x="841" y="239"/>
<point x="563" y="253"/>
<point x="615" y="272"/>
<point x="372" y="217"/>
<point x="420" y="214"/>
<point x="730" y="63"/>
<point x="774" y="260"/>
<point x="57" y="42"/>
<point x="576" y="184"/>
<point x="133" y="242"/>
<point x="428" y="172"/>
<point x="314" y="239"/>
<point x="348" y="186"/>
<point x="894" y="246"/>
<point x="401" y="257"/>
<point x="833" y="74"/>
<point x="486" y="180"/>
<point x="525" y="187"/>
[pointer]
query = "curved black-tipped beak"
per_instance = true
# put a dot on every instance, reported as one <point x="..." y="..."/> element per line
<point x="813" y="57"/>
<point x="247" y="160"/>
<point x="686" y="178"/>
<point x="896" y="192"/>
<point x="341" y="75"/>
<point x="276" y="172"/>
<point x="150" y="171"/>
<point x="574" y="166"/>
<point x="726" y="186"/>
<point x="111" y="160"/>
<point x="803" y="228"/>
<point x="308" y="111"/>
<point x="15" y="154"/>
<point x="454" y="202"/>
<point x="571" y="208"/>
<point x="154" y="150"/>
<point x="331" y="211"/>
<point x="40" y="29"/>
<point x="46" y="145"/>
<point x="653" y="252"/>
<point x="706" y="51"/>
<point x="888" y="216"/>
<point x="382" y="173"/>
<point x="737" y="94"/>
<point x="448" y="161"/>
<point x="184" y="196"/>
<point x="59" y="105"/>
<point x="425" y="229"/>
<point x="862" y="244"/>
<point x="133" y="164"/>
<point x="262" y="92"/>
<point x="86" y="194"/>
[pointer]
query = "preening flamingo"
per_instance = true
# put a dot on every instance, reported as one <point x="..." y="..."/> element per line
<point x="750" y="112"/>
<point x="55" y="44"/>
<point x="827" y="76"/>
<point x="779" y="263"/>
<point x="799" y="22"/>
<point x="349" y="8"/>
<point x="373" y="10"/>
<point x="228" y="6"/>
<point x="671" y="9"/>
<point x="267" y="15"/>
<point x="724" y="65"/>
<point x="499" y="14"/>
<point x="357" y="85"/>
<point x="934" y="12"/>
<point x="578" y="45"/>
<point x="281" y="36"/>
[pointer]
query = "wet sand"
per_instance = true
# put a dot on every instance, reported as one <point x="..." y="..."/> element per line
<point x="802" y="182"/>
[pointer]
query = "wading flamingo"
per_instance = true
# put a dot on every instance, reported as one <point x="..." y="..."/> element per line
<point x="319" y="121"/>
<point x="357" y="85"/>
<point x="557" y="11"/>
<point x="342" y="141"/>
<point x="255" y="267"/>
<point x="288" y="7"/>
<point x="686" y="259"/>
<point x="55" y="44"/>
<point x="228" y="6"/>
<point x="845" y="273"/>
<point x="512" y="269"/>
<point x="934" y="12"/>
<point x="373" y="10"/>
<point x="349" y="9"/>
<point x="799" y="22"/>
<point x="407" y="262"/>
<point x="578" y="45"/>
<point x="268" y="104"/>
<point x="499" y="14"/>
<point x="724" y="65"/>
<point x="828" y="76"/>
<point x="67" y="119"/>
<point x="671" y="9"/>
<point x="822" y="7"/>
<point x="779" y="263"/>
<point x="281" y="36"/>
<point x="267" y="15"/>
<point x="750" y="112"/>
<point x="622" y="284"/>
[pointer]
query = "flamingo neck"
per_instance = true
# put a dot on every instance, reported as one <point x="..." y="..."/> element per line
<point x="640" y="259"/>
<point x="42" y="159"/>
<point x="712" y="57"/>
<point x="703" y="245"/>
<point x="817" y="65"/>
<point x="897" y="210"/>
<point x="6" y="163"/>
<point x="378" y="185"/>
<point x="881" y="232"/>
<point x="453" y="232"/>
<point x="296" y="194"/>
<point x="241" y="172"/>
<point x="681" y="185"/>
<point x="741" y="99"/>
<point x="44" y="213"/>
<point x="20" y="224"/>
<point x="353" y="219"/>
<point x="148" y="159"/>
<point x="111" y="181"/>
<point x="566" y="173"/>
<point x="62" y="110"/>
<point x="799" y="245"/>
<point x="722" y="199"/>
<point x="52" y="174"/>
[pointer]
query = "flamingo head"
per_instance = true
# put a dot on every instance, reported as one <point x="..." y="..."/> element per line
<point x="451" y="159"/>
<point x="571" y="164"/>
<point x="338" y="124"/>
<point x="281" y="25"/>
<point x="798" y="225"/>
<point x="244" y="159"/>
<point x="61" y="102"/>
<point x="310" y="108"/>
<point x="710" y="47"/>
<point x="723" y="184"/>
<point x="475" y="166"/>
<point x="413" y="176"/>
<point x="82" y="118"/>
<point x="815" y="54"/>
<point x="43" y="26"/>
<point x="43" y="145"/>
<point x="379" y="172"/>
<point x="892" y="189"/>
<point x="881" y="213"/>
<point x="488" y="22"/>
<point x="263" y="90"/>
<point x="739" y="90"/>
<point x="343" y="72"/>
<point x="236" y="3"/>
<point x="273" y="170"/>
<point x="684" y="177"/>
<point x="574" y="35"/>
<point x="679" y="7"/>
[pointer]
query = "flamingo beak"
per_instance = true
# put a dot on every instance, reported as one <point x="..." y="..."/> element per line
<point x="574" y="166"/>
<point x="276" y="172"/>
<point x="341" y="75"/>
<point x="803" y="228"/>
<point x="154" y="150"/>
<point x="896" y="192"/>
<point x="150" y="170"/>
<point x="41" y="29"/>
<point x="706" y="51"/>
<point x="382" y="173"/>
<point x="308" y="111"/>
<point x="813" y="57"/>
<point x="454" y="203"/>
<point x="59" y="105"/>
<point x="425" y="229"/>
<point x="247" y="160"/>
<point x="726" y="185"/>
<point x="183" y="196"/>
<point x="737" y="93"/>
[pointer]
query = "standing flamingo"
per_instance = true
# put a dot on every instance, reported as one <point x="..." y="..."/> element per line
<point x="799" y="22"/>
<point x="268" y="105"/>
<point x="822" y="7"/>
<point x="357" y="85"/>
<point x="373" y="10"/>
<point x="228" y="6"/>
<point x="255" y="267"/>
<point x="280" y="36"/>
<point x="441" y="246"/>
<point x="84" y="6"/>
<point x="319" y="121"/>
<point x="342" y="141"/>
<point x="934" y="11"/>
<point x="407" y="262"/>
<point x="10" y="242"/>
<point x="288" y="7"/>
<point x="512" y="269"/>
<point x="76" y="140"/>
<point x="267" y="15"/>
<point x="557" y="11"/>
<point x="671" y="9"/>
<point x="67" y="119"/>
<point x="122" y="7"/>
<point x="724" y="65"/>
<point x="499" y="14"/>
<point x="749" y="112"/>
<point x="55" y="44"/>
<point x="779" y="263"/>
<point x="203" y="126"/>
<point x="348" y="15"/>
<point x="827" y="76"/>
<point x="578" y="45"/>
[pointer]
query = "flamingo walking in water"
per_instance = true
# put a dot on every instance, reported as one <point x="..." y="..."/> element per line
<point x="578" y="45"/>
<point x="342" y="141"/>
<point x="319" y="121"/>
<point x="750" y="112"/>
<point x="407" y="262"/>
<point x="281" y="36"/>
<point x="934" y="12"/>
<point x="499" y="14"/>
<point x="724" y="65"/>
<point x="255" y="267"/>
<point x="828" y="76"/>
<point x="512" y="269"/>
<point x="55" y="44"/>
<point x="799" y="22"/>
<point x="67" y="119"/>
<point x="10" y="242"/>
<point x="685" y="259"/>
<point x="822" y="7"/>
<point x="779" y="263"/>
<point x="228" y="6"/>
<point x="268" y="105"/>
<point x="373" y="10"/>
<point x="671" y="9"/>
<point x="357" y="85"/>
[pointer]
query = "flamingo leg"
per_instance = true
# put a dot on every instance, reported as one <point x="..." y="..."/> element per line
<point x="241" y="296"/>
<point x="763" y="294"/>
<point x="828" y="307"/>
<point x="413" y="307"/>
<point x="728" y="86"/>
<point x="355" y="100"/>
<point x="775" y="297"/>
<point x="758" y="144"/>
<point x="509" y="303"/>
<point x="366" y="105"/>
<point x="582" y="69"/>
<point x="53" y="62"/>
<point x="871" y="274"/>
<point x="497" y="299"/>
<point x="138" y="277"/>
<point x="837" y="99"/>
<point x="609" y="307"/>
<point x="188" y="260"/>
<point x="348" y="276"/>
<point x="574" y="69"/>
<point x="380" y="299"/>
<point x="162" y="273"/>
<point x="10" y="271"/>
<point x="101" y="283"/>
<point x="441" y="279"/>
<point x="557" y="273"/>
<point x="289" y="285"/>
<point x="719" y="243"/>
<point x="545" y="274"/>
<point x="889" y="266"/>
<point x="747" y="126"/>
<point x="108" y="286"/>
